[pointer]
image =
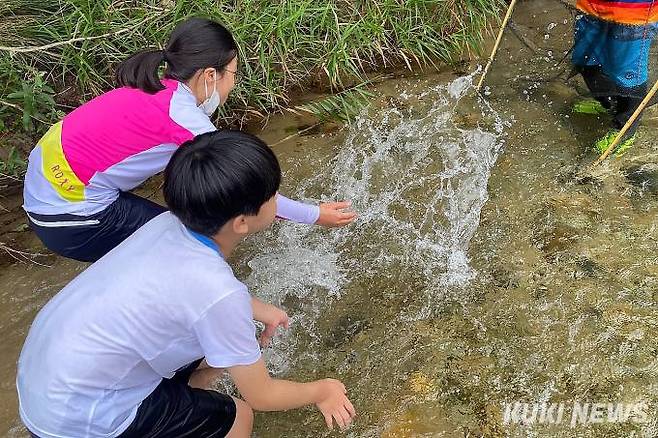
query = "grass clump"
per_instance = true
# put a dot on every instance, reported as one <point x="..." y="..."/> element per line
<point x="284" y="45"/>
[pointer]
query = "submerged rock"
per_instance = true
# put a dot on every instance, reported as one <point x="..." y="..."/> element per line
<point x="644" y="176"/>
<point x="345" y="329"/>
<point x="504" y="278"/>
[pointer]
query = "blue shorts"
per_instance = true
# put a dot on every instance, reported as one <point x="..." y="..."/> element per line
<point x="622" y="51"/>
<point x="88" y="238"/>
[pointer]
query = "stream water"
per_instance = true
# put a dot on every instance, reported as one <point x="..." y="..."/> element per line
<point x="485" y="267"/>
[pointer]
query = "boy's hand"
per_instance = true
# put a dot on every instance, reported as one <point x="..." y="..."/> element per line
<point x="335" y="214"/>
<point x="334" y="404"/>
<point x="274" y="319"/>
<point x="327" y="394"/>
<point x="271" y="316"/>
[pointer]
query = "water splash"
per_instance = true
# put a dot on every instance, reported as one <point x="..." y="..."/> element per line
<point x="416" y="169"/>
<point x="419" y="180"/>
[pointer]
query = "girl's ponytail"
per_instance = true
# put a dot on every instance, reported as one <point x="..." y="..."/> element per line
<point x="142" y="71"/>
<point x="195" y="44"/>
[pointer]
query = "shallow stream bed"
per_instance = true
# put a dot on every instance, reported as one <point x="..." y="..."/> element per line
<point x="487" y="265"/>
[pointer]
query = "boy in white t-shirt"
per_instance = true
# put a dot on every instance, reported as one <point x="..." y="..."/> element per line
<point x="119" y="351"/>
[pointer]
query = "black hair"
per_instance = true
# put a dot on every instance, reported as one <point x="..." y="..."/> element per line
<point x="218" y="176"/>
<point x="195" y="44"/>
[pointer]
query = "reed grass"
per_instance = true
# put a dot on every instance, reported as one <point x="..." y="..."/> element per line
<point x="284" y="45"/>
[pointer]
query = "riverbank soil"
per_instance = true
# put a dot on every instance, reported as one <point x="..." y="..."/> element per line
<point x="434" y="324"/>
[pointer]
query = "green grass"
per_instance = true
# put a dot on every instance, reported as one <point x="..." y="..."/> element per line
<point x="13" y="165"/>
<point x="284" y="45"/>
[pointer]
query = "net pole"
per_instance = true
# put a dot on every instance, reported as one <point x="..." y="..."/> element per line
<point x="628" y="124"/>
<point x="508" y="15"/>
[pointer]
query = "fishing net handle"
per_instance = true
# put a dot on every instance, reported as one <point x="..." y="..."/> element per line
<point x="508" y="15"/>
<point x="628" y="124"/>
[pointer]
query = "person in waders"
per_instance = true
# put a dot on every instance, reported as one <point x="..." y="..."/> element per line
<point x="611" y="52"/>
<point x="76" y="191"/>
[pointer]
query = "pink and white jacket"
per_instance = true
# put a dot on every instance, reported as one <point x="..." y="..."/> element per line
<point x="114" y="143"/>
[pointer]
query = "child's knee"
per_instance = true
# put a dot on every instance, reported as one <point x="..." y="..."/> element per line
<point x="244" y="420"/>
<point x="244" y="412"/>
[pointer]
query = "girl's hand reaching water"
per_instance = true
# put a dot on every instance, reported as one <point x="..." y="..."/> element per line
<point x="336" y="214"/>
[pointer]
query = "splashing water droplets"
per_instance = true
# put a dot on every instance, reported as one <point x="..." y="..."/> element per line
<point x="419" y="181"/>
<point x="416" y="168"/>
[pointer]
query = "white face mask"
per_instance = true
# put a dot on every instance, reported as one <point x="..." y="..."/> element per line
<point x="212" y="102"/>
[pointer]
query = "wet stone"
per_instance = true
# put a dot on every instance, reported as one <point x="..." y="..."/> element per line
<point x="467" y="120"/>
<point x="588" y="267"/>
<point x="645" y="177"/>
<point x="539" y="293"/>
<point x="590" y="182"/>
<point x="346" y="328"/>
<point x="560" y="237"/>
<point x="503" y="277"/>
<point x="592" y="312"/>
<point x="395" y="102"/>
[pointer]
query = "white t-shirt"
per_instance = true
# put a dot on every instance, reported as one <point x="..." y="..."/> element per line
<point x="157" y="302"/>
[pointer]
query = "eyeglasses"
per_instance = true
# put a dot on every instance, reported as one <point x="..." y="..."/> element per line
<point x="237" y="76"/>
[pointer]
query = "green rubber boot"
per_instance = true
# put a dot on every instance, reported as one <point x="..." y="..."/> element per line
<point x="602" y="145"/>
<point x="589" y="106"/>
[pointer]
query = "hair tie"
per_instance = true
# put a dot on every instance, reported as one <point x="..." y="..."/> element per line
<point x="164" y="55"/>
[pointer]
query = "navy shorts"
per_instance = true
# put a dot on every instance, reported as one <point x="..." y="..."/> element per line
<point x="88" y="238"/>
<point x="176" y="410"/>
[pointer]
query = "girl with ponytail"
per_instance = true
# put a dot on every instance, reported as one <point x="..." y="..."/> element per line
<point x="76" y="191"/>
